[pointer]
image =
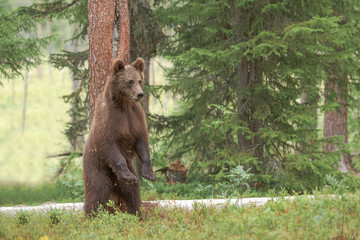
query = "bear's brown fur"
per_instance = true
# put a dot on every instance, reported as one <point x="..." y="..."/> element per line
<point x="118" y="133"/>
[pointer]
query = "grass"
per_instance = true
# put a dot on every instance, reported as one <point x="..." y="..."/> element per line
<point x="302" y="218"/>
<point x="32" y="195"/>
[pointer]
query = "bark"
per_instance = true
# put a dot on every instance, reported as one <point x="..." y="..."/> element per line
<point x="108" y="22"/>
<point x="335" y="123"/>
<point x="124" y="31"/>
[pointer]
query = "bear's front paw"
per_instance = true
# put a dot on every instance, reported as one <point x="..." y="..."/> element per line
<point x="148" y="173"/>
<point x="129" y="177"/>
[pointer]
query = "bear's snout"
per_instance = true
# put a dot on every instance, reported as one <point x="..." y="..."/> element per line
<point x="139" y="96"/>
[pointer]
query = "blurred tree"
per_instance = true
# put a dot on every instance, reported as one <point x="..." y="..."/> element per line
<point x="336" y="120"/>
<point x="239" y="70"/>
<point x="20" y="47"/>
<point x="336" y="91"/>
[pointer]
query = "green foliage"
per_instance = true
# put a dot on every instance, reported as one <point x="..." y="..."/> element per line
<point x="240" y="68"/>
<point x="228" y="185"/>
<point x="162" y="190"/>
<point x="73" y="184"/>
<point x="20" y="47"/>
<point x="76" y="62"/>
<point x="74" y="11"/>
<point x="158" y="152"/>
<point x="318" y="217"/>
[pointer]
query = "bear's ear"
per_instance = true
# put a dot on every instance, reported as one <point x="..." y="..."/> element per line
<point x="139" y="64"/>
<point x="118" y="66"/>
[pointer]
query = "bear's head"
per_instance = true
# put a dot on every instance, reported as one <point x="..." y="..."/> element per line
<point x="127" y="81"/>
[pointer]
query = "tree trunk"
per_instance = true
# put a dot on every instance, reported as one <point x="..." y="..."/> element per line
<point x="108" y="22"/>
<point x="124" y="30"/>
<point x="25" y="102"/>
<point x="249" y="78"/>
<point x="242" y="102"/>
<point x="335" y="122"/>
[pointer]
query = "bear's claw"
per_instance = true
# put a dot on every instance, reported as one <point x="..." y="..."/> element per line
<point x="148" y="174"/>
<point x="129" y="177"/>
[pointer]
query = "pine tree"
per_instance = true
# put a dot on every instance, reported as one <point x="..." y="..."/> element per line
<point x="239" y="70"/>
<point x="20" y="48"/>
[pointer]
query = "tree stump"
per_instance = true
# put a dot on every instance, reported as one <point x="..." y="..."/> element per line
<point x="176" y="173"/>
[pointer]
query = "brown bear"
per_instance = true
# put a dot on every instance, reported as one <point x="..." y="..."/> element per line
<point x="118" y="133"/>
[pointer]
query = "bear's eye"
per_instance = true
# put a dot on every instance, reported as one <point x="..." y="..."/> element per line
<point x="140" y="82"/>
<point x="130" y="83"/>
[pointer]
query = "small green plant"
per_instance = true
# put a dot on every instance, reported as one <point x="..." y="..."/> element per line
<point x="240" y="177"/>
<point x="54" y="216"/>
<point x="338" y="185"/>
<point x="74" y="184"/>
<point x="230" y="183"/>
<point x="22" y="217"/>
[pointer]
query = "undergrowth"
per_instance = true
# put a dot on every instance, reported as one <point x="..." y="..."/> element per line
<point x="319" y="217"/>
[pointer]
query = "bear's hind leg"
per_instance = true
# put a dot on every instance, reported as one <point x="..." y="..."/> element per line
<point x="130" y="195"/>
<point x="98" y="193"/>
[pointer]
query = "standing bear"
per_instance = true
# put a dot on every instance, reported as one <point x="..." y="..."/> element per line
<point x="118" y="133"/>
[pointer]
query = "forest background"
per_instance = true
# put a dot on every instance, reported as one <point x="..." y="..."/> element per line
<point x="245" y="93"/>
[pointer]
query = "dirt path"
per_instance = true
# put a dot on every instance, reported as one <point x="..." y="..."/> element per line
<point x="163" y="203"/>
